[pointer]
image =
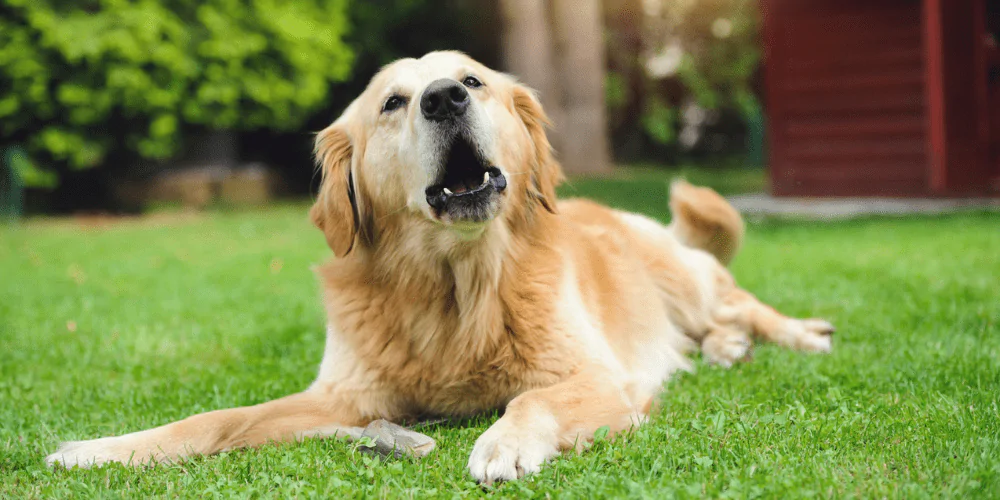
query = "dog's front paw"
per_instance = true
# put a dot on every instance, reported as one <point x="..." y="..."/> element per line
<point x="86" y="454"/>
<point x="511" y="450"/>
<point x="96" y="452"/>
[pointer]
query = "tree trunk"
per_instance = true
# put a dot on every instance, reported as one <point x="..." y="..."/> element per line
<point x="557" y="47"/>
<point x="528" y="54"/>
<point x="579" y="49"/>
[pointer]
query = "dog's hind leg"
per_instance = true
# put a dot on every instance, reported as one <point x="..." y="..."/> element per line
<point x="724" y="345"/>
<point x="742" y="311"/>
<point x="312" y="413"/>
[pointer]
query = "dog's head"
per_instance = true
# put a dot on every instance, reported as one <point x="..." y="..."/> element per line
<point x="441" y="139"/>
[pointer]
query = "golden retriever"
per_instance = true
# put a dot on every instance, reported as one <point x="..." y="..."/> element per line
<point x="461" y="286"/>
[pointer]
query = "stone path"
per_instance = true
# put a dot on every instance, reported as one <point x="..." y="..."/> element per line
<point x="764" y="205"/>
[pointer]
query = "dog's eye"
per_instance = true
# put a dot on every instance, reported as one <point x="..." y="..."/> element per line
<point x="472" y="82"/>
<point x="393" y="103"/>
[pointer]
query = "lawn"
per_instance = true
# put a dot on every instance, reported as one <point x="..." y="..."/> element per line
<point x="114" y="328"/>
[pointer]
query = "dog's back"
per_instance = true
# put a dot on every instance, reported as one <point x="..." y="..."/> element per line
<point x="701" y="219"/>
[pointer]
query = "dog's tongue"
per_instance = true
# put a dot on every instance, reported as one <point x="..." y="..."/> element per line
<point x="463" y="186"/>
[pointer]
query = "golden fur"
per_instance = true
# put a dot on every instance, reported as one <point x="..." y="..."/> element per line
<point x="569" y="315"/>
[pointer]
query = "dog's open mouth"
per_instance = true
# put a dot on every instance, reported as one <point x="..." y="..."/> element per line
<point x="468" y="187"/>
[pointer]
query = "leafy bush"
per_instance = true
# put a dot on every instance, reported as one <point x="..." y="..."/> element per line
<point x="677" y="67"/>
<point x="81" y="80"/>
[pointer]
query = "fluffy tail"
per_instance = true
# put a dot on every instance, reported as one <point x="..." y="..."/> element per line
<point x="705" y="220"/>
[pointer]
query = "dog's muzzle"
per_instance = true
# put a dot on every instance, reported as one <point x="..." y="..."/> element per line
<point x="468" y="186"/>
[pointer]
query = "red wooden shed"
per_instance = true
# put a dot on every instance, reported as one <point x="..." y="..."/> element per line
<point x="883" y="97"/>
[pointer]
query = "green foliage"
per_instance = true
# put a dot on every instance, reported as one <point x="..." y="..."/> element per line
<point x="79" y="80"/>
<point x="659" y="120"/>
<point x="721" y="48"/>
<point x="674" y="53"/>
<point x="616" y="91"/>
<point x="27" y="172"/>
<point x="11" y="185"/>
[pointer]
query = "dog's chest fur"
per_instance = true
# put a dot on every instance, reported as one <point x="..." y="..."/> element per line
<point x="457" y="346"/>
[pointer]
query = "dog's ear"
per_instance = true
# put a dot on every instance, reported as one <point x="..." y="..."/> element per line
<point x="335" y="211"/>
<point x="546" y="173"/>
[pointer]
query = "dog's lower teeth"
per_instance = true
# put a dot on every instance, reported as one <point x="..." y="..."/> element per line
<point x="466" y="186"/>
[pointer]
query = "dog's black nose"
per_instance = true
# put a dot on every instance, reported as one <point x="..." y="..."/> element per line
<point x="444" y="99"/>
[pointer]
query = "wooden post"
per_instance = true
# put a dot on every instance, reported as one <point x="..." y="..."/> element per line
<point x="934" y="57"/>
<point x="528" y="54"/>
<point x="557" y="47"/>
<point x="579" y="41"/>
<point x="958" y="156"/>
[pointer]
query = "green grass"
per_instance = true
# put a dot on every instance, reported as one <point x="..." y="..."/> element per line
<point x="111" y="330"/>
<point x="644" y="189"/>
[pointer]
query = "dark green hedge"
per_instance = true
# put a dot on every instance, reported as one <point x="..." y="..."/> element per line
<point x="81" y="79"/>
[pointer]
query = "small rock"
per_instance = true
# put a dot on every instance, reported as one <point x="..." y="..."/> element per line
<point x="394" y="440"/>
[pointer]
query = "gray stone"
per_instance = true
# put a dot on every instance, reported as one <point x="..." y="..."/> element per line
<point x="394" y="440"/>
<point x="763" y="205"/>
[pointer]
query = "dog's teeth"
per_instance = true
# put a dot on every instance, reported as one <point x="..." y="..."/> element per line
<point x="486" y="177"/>
<point x="448" y="191"/>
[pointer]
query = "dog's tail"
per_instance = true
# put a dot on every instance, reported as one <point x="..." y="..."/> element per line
<point x="703" y="219"/>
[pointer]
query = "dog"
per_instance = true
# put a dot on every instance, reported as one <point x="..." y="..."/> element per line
<point x="461" y="285"/>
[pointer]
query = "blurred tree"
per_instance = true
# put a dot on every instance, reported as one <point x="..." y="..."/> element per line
<point x="81" y="80"/>
<point x="529" y="54"/>
<point x="579" y="40"/>
<point x="557" y="47"/>
<point x="678" y="68"/>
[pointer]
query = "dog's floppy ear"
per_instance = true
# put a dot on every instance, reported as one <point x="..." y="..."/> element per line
<point x="546" y="173"/>
<point x="335" y="211"/>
